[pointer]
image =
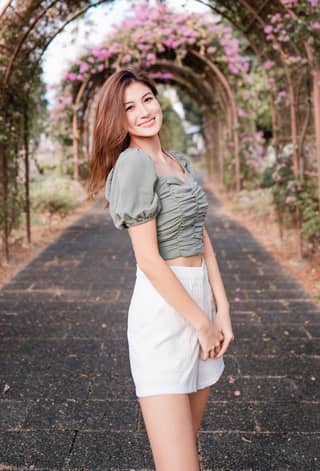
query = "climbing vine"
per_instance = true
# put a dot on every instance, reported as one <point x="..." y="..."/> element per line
<point x="255" y="74"/>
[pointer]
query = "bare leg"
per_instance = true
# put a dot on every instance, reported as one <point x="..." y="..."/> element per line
<point x="168" y="421"/>
<point x="198" y="402"/>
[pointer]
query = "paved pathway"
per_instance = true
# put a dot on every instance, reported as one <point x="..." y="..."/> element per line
<point x="67" y="398"/>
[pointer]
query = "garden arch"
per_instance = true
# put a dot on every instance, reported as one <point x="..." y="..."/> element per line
<point x="28" y="26"/>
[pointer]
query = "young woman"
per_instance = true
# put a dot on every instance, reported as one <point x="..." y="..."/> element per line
<point x="179" y="323"/>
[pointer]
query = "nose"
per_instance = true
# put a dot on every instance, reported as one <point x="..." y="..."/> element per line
<point x="143" y="110"/>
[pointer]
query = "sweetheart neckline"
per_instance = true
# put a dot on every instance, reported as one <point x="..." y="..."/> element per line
<point x="181" y="164"/>
<point x="183" y="182"/>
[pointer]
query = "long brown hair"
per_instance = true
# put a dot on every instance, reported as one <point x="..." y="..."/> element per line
<point x="109" y="135"/>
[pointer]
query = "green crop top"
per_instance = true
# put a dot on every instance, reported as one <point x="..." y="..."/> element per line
<point x="137" y="194"/>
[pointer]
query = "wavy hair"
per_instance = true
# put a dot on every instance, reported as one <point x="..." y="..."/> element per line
<point x="109" y="135"/>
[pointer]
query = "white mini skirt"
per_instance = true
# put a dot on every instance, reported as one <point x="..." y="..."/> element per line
<point x="164" y="350"/>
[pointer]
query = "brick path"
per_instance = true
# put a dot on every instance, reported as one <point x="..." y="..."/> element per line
<point x="63" y="354"/>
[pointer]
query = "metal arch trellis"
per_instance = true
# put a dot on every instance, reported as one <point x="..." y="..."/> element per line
<point x="50" y="38"/>
<point x="227" y="97"/>
<point x="13" y="55"/>
<point x="260" y="12"/>
<point x="241" y="13"/>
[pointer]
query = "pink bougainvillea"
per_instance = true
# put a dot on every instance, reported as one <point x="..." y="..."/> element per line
<point x="154" y="31"/>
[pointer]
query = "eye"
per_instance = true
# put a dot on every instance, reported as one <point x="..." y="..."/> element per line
<point x="149" y="98"/>
<point x="129" y="108"/>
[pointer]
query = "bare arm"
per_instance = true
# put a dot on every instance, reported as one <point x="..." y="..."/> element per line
<point x="214" y="275"/>
<point x="145" y="245"/>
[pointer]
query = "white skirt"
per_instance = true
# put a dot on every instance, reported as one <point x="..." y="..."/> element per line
<point x="164" y="350"/>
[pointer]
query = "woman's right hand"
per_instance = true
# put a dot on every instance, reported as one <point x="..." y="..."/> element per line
<point x="209" y="337"/>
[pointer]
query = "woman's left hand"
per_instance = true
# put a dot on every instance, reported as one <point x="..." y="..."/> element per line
<point x="222" y="322"/>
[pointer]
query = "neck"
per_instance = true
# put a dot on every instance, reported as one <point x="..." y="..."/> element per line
<point x="150" y="145"/>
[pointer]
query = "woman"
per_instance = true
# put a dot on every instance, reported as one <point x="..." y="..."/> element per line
<point x="176" y="336"/>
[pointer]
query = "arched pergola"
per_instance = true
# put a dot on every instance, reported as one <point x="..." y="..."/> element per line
<point x="27" y="27"/>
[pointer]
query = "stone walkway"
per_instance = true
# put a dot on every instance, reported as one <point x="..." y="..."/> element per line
<point x="67" y="397"/>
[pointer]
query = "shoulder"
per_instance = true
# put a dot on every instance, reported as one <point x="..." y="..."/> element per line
<point x="133" y="159"/>
<point x="133" y="168"/>
<point x="130" y="189"/>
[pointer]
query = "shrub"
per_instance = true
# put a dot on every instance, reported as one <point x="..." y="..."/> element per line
<point x="56" y="195"/>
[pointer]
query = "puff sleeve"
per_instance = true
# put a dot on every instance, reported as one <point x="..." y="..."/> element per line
<point x="130" y="189"/>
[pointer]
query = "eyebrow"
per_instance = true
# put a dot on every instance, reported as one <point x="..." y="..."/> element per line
<point x="142" y="97"/>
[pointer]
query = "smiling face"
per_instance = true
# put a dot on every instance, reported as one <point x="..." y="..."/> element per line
<point x="142" y="110"/>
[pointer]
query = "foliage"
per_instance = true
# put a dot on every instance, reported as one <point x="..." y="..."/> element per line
<point x="289" y="193"/>
<point x="55" y="194"/>
<point x="287" y="30"/>
<point x="308" y="203"/>
<point x="14" y="208"/>
<point x="254" y="100"/>
<point x="191" y="107"/>
<point x="252" y="151"/>
<point x="172" y="132"/>
<point x="150" y="35"/>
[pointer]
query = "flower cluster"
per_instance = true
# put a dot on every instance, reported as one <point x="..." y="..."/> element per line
<point x="153" y="33"/>
<point x="298" y="23"/>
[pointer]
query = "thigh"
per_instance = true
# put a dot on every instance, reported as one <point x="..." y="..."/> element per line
<point x="168" y="421"/>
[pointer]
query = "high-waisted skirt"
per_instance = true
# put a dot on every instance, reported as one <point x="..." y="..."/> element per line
<point x="164" y="349"/>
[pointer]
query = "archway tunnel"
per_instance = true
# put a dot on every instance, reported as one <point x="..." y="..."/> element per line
<point x="237" y="57"/>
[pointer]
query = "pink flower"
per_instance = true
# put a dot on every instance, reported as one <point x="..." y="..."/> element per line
<point x="283" y="38"/>
<point x="71" y="76"/>
<point x="144" y="47"/>
<point x="294" y="59"/>
<point x="237" y="393"/>
<point x="241" y="113"/>
<point x="167" y="75"/>
<point x="282" y="93"/>
<point x="268" y="29"/>
<point x="233" y="69"/>
<point x="314" y="26"/>
<point x="127" y="58"/>
<point x="290" y="199"/>
<point x="228" y="51"/>
<point x="268" y="64"/>
<point x="151" y="57"/>
<point x="84" y="67"/>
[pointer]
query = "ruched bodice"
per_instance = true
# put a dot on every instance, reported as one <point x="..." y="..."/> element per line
<point x="137" y="194"/>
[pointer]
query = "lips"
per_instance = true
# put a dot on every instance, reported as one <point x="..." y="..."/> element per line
<point x="148" y="123"/>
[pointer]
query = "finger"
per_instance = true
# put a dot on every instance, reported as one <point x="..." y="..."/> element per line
<point x="223" y="349"/>
<point x="204" y="355"/>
